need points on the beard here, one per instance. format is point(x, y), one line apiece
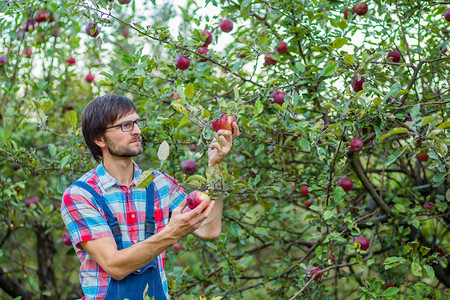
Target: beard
point(122, 150)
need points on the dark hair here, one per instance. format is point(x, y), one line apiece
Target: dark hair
point(100, 113)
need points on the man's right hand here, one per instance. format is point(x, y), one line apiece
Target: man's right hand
point(184, 222)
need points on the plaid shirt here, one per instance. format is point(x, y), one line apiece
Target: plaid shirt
point(85, 220)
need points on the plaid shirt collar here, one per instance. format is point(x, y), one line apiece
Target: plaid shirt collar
point(106, 181)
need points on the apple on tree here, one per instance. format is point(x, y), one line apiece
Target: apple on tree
point(40, 16)
point(360, 8)
point(346, 13)
point(224, 122)
point(422, 156)
point(304, 191)
point(203, 50)
point(447, 15)
point(428, 205)
point(362, 243)
point(89, 78)
point(192, 147)
point(278, 97)
point(269, 60)
point(345, 183)
point(356, 145)
point(282, 48)
point(311, 272)
point(226, 25)
point(92, 29)
point(195, 198)
point(208, 39)
point(124, 1)
point(357, 84)
point(182, 62)
point(29, 25)
point(28, 52)
point(175, 96)
point(2, 60)
point(189, 167)
point(177, 247)
point(15, 167)
point(71, 61)
point(395, 55)
point(65, 238)
point(31, 201)
point(308, 204)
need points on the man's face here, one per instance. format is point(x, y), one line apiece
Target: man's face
point(124, 144)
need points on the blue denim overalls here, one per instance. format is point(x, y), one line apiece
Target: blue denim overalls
point(144, 281)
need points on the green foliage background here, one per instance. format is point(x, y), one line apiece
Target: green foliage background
point(269, 236)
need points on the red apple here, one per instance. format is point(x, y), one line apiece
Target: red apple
point(71, 61)
point(395, 56)
point(308, 203)
point(282, 48)
point(89, 78)
point(226, 25)
point(175, 96)
point(28, 52)
point(422, 156)
point(447, 15)
point(268, 60)
point(345, 183)
point(124, 1)
point(56, 32)
point(360, 8)
point(126, 32)
point(356, 145)
point(224, 122)
point(363, 243)
point(278, 97)
point(29, 25)
point(389, 284)
point(203, 50)
point(92, 29)
point(182, 62)
point(40, 16)
point(176, 247)
point(305, 191)
point(428, 205)
point(311, 272)
point(52, 17)
point(65, 237)
point(189, 167)
point(15, 167)
point(346, 12)
point(192, 147)
point(195, 198)
point(357, 84)
point(2, 60)
point(31, 201)
point(208, 39)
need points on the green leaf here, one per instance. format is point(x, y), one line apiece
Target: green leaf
point(393, 261)
point(339, 42)
point(416, 269)
point(328, 215)
point(52, 150)
point(145, 179)
point(258, 108)
point(180, 108)
point(392, 132)
point(64, 161)
point(444, 125)
point(391, 158)
point(430, 271)
point(338, 195)
point(189, 91)
point(300, 67)
point(427, 119)
point(391, 291)
point(72, 116)
point(237, 65)
point(349, 59)
point(198, 178)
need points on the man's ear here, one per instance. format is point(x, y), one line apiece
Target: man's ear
point(100, 142)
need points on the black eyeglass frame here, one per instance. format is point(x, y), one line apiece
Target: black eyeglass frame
point(121, 125)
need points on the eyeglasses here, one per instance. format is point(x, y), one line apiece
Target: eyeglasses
point(129, 125)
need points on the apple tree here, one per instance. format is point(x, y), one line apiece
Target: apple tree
point(337, 186)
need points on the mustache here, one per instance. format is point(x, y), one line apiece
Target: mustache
point(136, 139)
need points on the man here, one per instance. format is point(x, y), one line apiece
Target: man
point(112, 222)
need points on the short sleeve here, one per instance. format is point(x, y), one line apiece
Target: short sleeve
point(177, 194)
point(82, 217)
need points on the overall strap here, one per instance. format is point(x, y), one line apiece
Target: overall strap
point(110, 219)
point(150, 218)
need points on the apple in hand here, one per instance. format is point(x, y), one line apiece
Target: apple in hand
point(189, 167)
point(226, 25)
point(182, 62)
point(395, 55)
point(345, 183)
point(356, 145)
point(195, 198)
point(65, 237)
point(363, 243)
point(224, 122)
